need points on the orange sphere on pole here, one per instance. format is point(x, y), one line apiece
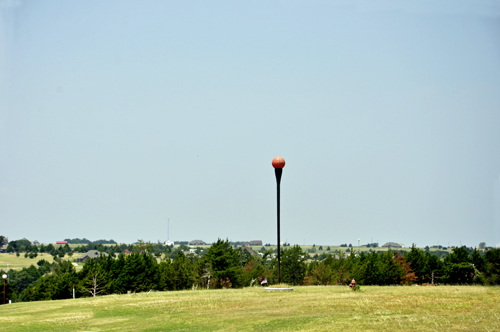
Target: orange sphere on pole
point(278, 162)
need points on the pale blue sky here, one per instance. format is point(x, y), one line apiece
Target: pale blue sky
point(117, 115)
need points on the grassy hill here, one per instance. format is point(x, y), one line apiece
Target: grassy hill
point(14, 262)
point(336, 308)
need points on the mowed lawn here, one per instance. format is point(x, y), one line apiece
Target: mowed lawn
point(441, 308)
point(18, 263)
point(21, 261)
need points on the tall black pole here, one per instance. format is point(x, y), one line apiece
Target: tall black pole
point(278, 172)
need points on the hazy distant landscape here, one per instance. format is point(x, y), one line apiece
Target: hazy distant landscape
point(143, 182)
point(83, 268)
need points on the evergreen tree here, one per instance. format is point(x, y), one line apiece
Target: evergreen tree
point(458, 267)
point(225, 265)
point(478, 260)
point(322, 275)
point(293, 265)
point(492, 273)
point(183, 276)
point(418, 262)
point(166, 272)
point(49, 248)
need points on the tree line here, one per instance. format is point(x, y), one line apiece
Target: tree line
point(222, 266)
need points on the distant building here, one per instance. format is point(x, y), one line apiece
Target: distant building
point(169, 243)
point(253, 243)
point(91, 254)
point(197, 243)
point(393, 245)
point(249, 250)
point(190, 253)
point(61, 242)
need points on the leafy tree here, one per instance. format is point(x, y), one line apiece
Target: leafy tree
point(253, 272)
point(404, 274)
point(143, 247)
point(18, 243)
point(104, 242)
point(322, 275)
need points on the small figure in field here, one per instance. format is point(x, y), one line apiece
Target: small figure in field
point(353, 284)
point(264, 282)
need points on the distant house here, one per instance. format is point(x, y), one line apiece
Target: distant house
point(3, 248)
point(197, 243)
point(169, 243)
point(393, 245)
point(190, 252)
point(128, 251)
point(249, 250)
point(91, 254)
point(61, 242)
point(253, 243)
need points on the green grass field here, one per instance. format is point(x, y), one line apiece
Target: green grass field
point(18, 263)
point(336, 308)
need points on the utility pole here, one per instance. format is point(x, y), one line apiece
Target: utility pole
point(4, 278)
